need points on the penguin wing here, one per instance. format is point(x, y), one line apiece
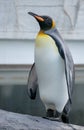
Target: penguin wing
point(66, 55)
point(32, 82)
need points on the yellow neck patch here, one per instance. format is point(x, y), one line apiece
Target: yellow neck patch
point(41, 33)
point(45, 41)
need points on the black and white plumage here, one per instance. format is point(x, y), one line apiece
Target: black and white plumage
point(53, 69)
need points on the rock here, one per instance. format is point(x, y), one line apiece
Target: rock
point(16, 121)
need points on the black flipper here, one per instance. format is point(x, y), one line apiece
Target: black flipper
point(32, 82)
point(69, 65)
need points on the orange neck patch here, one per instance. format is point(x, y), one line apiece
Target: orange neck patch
point(53, 24)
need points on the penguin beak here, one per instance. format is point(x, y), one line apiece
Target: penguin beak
point(38, 18)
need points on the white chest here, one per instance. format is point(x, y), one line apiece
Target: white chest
point(51, 72)
point(47, 59)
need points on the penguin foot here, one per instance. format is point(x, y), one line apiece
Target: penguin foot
point(50, 113)
point(65, 118)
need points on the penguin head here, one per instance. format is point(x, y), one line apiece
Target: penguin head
point(45, 22)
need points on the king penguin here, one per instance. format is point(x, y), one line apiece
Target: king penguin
point(52, 72)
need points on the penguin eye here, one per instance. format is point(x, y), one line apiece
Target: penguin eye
point(47, 19)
